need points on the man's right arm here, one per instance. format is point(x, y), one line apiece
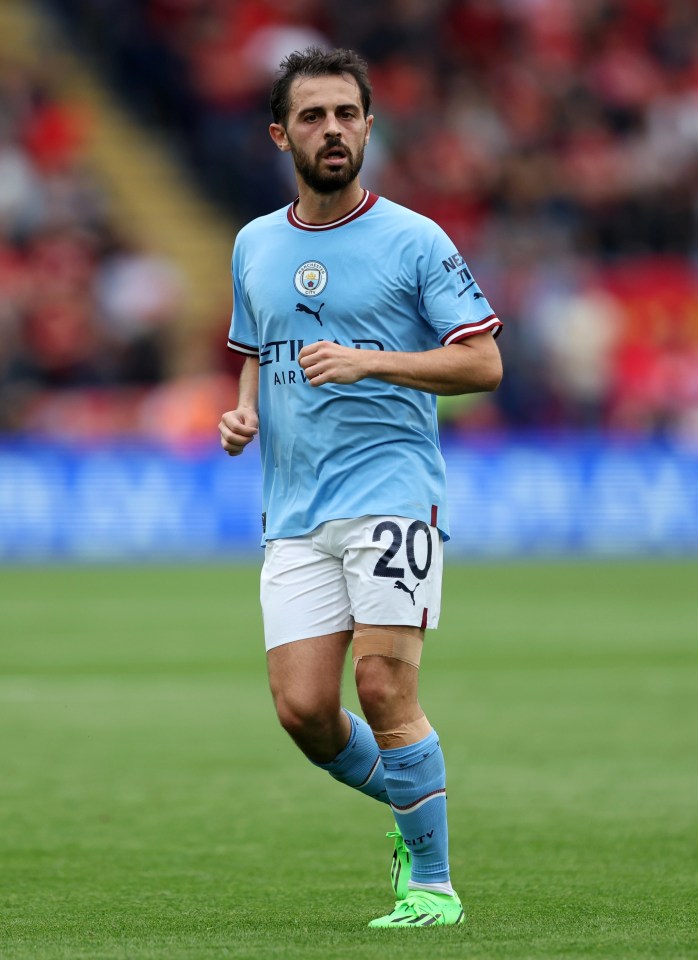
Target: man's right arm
point(239, 427)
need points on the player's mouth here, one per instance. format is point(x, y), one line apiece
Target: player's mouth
point(335, 156)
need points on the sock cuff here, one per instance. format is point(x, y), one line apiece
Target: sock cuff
point(401, 757)
point(353, 733)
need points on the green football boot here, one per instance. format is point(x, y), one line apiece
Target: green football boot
point(423, 909)
point(401, 864)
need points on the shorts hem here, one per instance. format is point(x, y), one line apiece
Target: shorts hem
point(432, 625)
point(270, 644)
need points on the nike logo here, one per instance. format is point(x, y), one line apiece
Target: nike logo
point(301, 308)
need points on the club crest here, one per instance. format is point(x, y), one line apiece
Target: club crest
point(310, 278)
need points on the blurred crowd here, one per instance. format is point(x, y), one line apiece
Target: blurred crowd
point(86, 314)
point(555, 141)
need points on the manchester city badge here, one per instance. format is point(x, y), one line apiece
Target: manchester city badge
point(310, 278)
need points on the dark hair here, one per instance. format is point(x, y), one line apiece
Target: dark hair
point(316, 62)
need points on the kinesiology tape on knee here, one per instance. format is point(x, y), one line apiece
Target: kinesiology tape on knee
point(372, 642)
point(404, 735)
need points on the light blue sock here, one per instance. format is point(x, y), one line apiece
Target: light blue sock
point(359, 764)
point(415, 778)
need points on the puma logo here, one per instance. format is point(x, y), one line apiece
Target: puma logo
point(301, 307)
point(399, 585)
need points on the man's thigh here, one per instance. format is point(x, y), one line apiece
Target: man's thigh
point(309, 672)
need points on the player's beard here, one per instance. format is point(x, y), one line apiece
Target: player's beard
point(327, 180)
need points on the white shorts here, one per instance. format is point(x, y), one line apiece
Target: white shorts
point(373, 570)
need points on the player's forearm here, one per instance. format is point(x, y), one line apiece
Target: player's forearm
point(447, 371)
point(248, 388)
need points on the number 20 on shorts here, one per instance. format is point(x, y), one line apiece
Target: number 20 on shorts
point(383, 567)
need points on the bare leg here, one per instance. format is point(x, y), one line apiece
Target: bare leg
point(387, 687)
point(305, 679)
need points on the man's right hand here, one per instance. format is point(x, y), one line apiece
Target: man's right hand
point(238, 428)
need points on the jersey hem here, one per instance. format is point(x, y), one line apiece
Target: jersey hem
point(299, 532)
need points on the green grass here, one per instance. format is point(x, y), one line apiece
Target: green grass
point(151, 808)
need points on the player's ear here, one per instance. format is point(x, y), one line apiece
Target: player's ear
point(278, 135)
point(369, 124)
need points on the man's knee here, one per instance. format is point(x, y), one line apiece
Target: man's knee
point(378, 684)
point(386, 662)
point(386, 687)
point(301, 715)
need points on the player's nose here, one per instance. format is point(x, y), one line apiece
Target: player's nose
point(332, 130)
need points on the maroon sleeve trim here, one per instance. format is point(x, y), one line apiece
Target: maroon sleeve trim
point(242, 348)
point(465, 330)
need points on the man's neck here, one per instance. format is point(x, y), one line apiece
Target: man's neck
point(325, 207)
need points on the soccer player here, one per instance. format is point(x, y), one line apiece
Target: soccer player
point(353, 313)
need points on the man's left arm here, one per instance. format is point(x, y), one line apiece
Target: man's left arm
point(472, 365)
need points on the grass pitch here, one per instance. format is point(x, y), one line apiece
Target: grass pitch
point(150, 807)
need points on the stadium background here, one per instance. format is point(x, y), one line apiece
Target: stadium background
point(556, 142)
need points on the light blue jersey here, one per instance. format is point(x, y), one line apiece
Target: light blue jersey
point(380, 278)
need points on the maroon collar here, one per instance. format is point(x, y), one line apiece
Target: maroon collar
point(366, 202)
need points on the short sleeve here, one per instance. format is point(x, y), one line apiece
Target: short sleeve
point(451, 300)
point(243, 337)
